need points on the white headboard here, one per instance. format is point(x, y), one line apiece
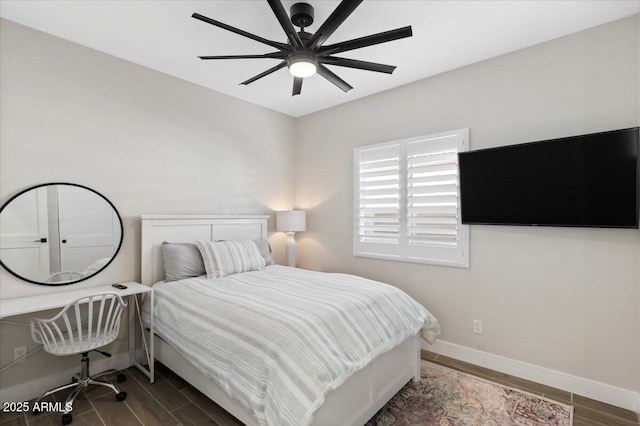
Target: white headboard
point(188, 229)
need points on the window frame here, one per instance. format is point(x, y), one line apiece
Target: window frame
point(403, 245)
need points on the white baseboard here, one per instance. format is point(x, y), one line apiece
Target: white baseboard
point(603, 392)
point(34, 388)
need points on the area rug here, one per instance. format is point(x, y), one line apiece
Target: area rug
point(446, 397)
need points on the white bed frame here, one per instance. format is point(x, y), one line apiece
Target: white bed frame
point(351, 404)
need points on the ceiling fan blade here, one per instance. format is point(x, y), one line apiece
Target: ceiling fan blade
point(361, 65)
point(274, 55)
point(323, 71)
point(297, 85)
point(342, 12)
point(285, 22)
point(369, 40)
point(277, 45)
point(267, 72)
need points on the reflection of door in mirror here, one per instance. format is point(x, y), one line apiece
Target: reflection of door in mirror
point(58, 233)
point(89, 229)
point(24, 235)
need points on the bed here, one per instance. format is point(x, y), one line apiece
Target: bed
point(351, 398)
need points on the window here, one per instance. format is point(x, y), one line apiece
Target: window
point(407, 200)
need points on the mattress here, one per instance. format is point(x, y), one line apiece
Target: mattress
point(277, 340)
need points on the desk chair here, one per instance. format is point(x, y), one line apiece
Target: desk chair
point(57, 277)
point(68, 334)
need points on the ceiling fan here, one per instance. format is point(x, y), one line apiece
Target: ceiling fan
point(305, 53)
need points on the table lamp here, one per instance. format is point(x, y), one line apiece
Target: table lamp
point(291, 221)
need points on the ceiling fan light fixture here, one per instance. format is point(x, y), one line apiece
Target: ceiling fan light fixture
point(302, 65)
point(306, 54)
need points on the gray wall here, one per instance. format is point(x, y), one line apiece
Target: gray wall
point(150, 143)
point(561, 298)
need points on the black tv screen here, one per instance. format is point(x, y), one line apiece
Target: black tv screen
point(589, 180)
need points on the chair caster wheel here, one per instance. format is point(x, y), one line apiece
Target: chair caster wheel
point(121, 396)
point(66, 419)
point(74, 379)
point(122, 378)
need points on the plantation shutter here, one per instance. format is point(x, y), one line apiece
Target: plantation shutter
point(433, 227)
point(407, 200)
point(378, 204)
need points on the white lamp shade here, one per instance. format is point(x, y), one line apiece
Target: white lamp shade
point(291, 221)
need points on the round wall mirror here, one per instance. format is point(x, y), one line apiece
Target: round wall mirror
point(58, 233)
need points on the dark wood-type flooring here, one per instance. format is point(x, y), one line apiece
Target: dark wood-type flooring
point(172, 401)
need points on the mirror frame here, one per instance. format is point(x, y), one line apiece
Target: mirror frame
point(4, 205)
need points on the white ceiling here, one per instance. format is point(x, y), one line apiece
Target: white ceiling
point(446, 35)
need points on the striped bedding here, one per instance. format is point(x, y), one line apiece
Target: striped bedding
point(278, 339)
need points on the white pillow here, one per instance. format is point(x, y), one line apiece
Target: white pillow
point(229, 257)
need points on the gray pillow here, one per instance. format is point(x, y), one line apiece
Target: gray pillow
point(181, 261)
point(265, 250)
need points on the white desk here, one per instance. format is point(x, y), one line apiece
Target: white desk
point(59, 299)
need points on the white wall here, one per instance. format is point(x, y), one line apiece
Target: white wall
point(561, 298)
point(150, 143)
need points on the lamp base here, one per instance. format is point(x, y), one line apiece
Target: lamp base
point(290, 250)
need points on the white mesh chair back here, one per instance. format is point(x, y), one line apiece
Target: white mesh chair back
point(83, 325)
point(65, 276)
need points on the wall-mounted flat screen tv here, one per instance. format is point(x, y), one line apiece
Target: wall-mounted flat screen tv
point(588, 181)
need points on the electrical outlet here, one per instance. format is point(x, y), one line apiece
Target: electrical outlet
point(20, 354)
point(477, 326)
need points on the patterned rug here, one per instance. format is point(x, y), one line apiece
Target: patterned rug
point(445, 397)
